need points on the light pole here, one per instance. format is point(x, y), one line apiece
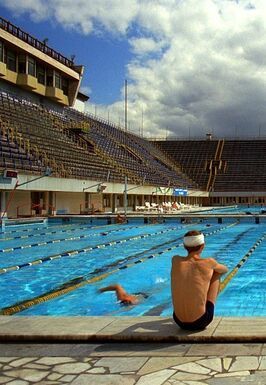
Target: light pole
point(142, 122)
point(125, 105)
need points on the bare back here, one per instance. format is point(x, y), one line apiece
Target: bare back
point(190, 281)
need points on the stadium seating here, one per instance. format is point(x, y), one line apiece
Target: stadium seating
point(49, 143)
point(193, 155)
point(136, 156)
point(245, 166)
point(75, 145)
point(14, 152)
point(225, 165)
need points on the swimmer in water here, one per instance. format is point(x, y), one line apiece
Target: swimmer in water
point(120, 219)
point(122, 295)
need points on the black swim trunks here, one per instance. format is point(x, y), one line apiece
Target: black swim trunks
point(200, 323)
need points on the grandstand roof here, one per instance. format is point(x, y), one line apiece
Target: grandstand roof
point(82, 97)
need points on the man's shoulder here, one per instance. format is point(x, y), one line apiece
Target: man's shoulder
point(177, 257)
point(210, 261)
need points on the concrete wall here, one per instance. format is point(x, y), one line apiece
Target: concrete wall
point(68, 203)
point(97, 201)
point(31, 96)
point(21, 201)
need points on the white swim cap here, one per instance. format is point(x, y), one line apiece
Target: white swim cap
point(194, 240)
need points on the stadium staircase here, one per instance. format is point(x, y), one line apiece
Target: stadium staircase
point(216, 165)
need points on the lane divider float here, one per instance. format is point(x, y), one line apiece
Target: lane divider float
point(33, 229)
point(64, 228)
point(70, 231)
point(243, 260)
point(45, 233)
point(79, 251)
point(84, 236)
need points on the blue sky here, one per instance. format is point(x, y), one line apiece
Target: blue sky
point(192, 67)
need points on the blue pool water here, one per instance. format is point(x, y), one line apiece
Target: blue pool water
point(237, 209)
point(57, 269)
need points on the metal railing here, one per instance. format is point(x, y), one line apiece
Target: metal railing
point(202, 138)
point(41, 46)
point(36, 207)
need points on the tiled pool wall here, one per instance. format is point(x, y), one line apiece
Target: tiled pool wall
point(147, 219)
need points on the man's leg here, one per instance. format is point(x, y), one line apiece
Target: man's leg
point(214, 287)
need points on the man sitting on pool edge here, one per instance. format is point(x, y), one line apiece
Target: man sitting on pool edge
point(195, 284)
point(123, 296)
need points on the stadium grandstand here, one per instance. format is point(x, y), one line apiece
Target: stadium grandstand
point(57, 159)
point(232, 171)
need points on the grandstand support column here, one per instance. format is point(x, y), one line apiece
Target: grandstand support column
point(3, 203)
point(52, 203)
point(87, 203)
point(114, 203)
point(125, 197)
point(135, 202)
point(45, 202)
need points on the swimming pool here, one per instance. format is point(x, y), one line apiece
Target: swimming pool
point(57, 269)
point(237, 209)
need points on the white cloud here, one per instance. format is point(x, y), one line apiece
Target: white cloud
point(198, 66)
point(84, 15)
point(38, 9)
point(143, 45)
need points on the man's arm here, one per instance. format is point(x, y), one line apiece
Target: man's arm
point(120, 292)
point(218, 267)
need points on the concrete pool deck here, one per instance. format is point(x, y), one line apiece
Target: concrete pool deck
point(128, 329)
point(130, 351)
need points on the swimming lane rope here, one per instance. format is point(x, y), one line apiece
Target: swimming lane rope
point(65, 228)
point(62, 239)
point(80, 251)
point(68, 230)
point(70, 286)
point(243, 260)
point(33, 228)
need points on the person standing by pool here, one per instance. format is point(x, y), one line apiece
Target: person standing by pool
point(195, 284)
